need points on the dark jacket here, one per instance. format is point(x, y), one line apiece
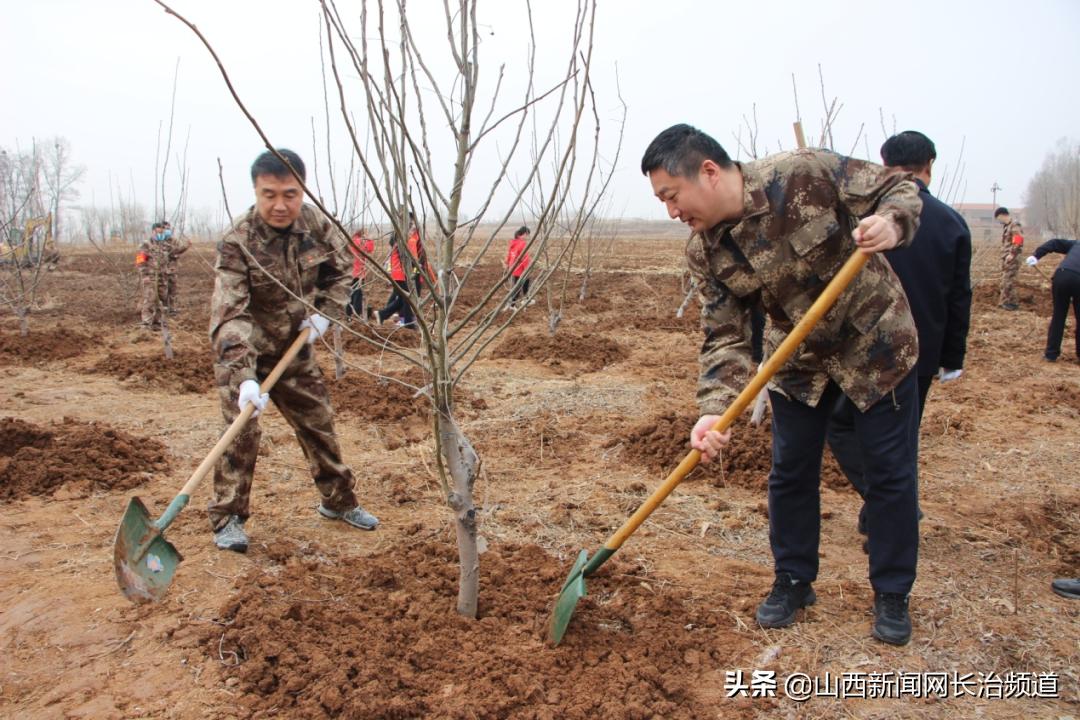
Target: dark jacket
point(935, 271)
point(1070, 248)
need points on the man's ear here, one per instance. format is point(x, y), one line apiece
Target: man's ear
point(709, 172)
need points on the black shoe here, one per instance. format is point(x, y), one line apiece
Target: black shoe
point(788, 595)
point(1047, 358)
point(892, 623)
point(861, 527)
point(1067, 588)
point(1009, 306)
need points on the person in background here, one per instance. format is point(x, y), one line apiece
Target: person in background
point(935, 271)
point(1065, 288)
point(176, 248)
point(1012, 245)
point(518, 262)
point(151, 261)
point(281, 267)
point(359, 243)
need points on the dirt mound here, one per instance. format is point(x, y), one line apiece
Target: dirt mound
point(666, 321)
point(383, 640)
point(1053, 528)
point(662, 442)
point(80, 457)
point(378, 399)
point(42, 345)
point(986, 295)
point(186, 372)
point(589, 352)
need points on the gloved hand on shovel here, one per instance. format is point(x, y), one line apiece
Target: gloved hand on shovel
point(249, 393)
point(318, 325)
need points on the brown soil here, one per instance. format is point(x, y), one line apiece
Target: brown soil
point(383, 641)
point(378, 399)
point(187, 372)
point(662, 442)
point(41, 345)
point(80, 457)
point(588, 353)
point(1030, 296)
point(320, 620)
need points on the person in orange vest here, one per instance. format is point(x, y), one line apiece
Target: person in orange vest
point(398, 290)
point(396, 302)
point(360, 243)
point(518, 262)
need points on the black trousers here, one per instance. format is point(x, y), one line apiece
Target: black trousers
point(521, 288)
point(355, 307)
point(886, 438)
point(1065, 287)
point(396, 303)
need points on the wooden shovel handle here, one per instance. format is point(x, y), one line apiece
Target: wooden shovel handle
point(787, 348)
point(245, 414)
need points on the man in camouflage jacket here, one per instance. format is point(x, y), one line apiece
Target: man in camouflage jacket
point(177, 247)
point(282, 266)
point(151, 260)
point(1012, 246)
point(772, 233)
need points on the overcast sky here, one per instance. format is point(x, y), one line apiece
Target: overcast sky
point(997, 75)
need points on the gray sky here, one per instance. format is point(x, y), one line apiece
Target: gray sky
point(997, 73)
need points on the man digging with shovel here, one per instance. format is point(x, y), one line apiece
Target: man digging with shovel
point(771, 233)
point(278, 251)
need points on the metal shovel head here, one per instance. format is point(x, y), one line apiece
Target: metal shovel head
point(144, 560)
point(572, 591)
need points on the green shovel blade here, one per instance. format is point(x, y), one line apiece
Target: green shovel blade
point(572, 591)
point(144, 560)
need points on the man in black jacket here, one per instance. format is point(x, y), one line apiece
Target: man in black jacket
point(1065, 286)
point(935, 271)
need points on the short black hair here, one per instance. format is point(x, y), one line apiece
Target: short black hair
point(523, 230)
point(680, 150)
point(268, 164)
point(910, 150)
point(1001, 211)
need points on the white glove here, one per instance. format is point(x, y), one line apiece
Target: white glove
point(947, 375)
point(249, 393)
point(1032, 261)
point(318, 325)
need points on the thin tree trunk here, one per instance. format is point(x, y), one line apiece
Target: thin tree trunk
point(24, 323)
point(463, 464)
point(339, 361)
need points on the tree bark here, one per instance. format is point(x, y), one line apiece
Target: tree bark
point(463, 464)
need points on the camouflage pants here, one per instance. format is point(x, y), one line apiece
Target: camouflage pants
point(170, 292)
point(301, 397)
point(1010, 265)
point(152, 298)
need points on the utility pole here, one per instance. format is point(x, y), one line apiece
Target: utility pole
point(994, 189)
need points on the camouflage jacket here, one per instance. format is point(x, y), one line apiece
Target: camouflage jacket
point(260, 275)
point(161, 255)
point(177, 247)
point(799, 210)
point(1009, 247)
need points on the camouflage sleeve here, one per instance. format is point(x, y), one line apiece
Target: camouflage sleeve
point(334, 283)
point(725, 358)
point(230, 319)
point(179, 247)
point(866, 188)
point(1017, 238)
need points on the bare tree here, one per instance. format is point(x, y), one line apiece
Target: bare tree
point(1053, 195)
point(430, 119)
point(27, 225)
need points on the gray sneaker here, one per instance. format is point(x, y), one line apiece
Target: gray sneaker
point(357, 517)
point(232, 536)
